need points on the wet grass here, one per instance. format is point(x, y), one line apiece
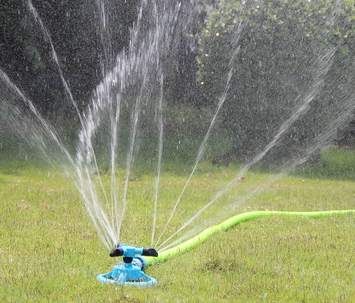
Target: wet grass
point(49, 251)
point(335, 164)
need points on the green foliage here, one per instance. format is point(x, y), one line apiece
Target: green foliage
point(279, 44)
point(74, 29)
point(334, 163)
point(185, 128)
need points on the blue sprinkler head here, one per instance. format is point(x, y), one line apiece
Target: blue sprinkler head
point(131, 271)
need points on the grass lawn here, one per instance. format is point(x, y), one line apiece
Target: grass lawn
point(49, 251)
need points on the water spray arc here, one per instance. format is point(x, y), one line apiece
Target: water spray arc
point(135, 80)
point(322, 66)
point(203, 144)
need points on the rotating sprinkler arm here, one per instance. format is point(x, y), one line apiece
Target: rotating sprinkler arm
point(132, 252)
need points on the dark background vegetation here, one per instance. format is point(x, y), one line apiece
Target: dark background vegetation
point(271, 67)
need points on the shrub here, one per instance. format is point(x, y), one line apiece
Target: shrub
point(276, 67)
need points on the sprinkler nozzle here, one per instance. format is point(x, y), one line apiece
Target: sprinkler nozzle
point(128, 251)
point(149, 252)
point(116, 252)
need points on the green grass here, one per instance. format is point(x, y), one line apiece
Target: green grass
point(335, 164)
point(49, 252)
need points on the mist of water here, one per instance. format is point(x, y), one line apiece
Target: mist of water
point(323, 140)
point(323, 64)
point(203, 145)
point(132, 86)
point(160, 154)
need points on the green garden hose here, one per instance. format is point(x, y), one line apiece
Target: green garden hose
point(231, 222)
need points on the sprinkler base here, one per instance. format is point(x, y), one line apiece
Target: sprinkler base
point(131, 272)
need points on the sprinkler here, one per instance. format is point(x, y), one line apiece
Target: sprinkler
point(135, 260)
point(131, 271)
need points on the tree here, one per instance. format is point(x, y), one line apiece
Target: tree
point(280, 45)
point(73, 25)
